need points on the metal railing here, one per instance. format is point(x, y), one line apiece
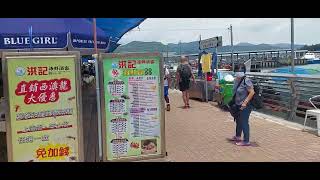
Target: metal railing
point(287, 95)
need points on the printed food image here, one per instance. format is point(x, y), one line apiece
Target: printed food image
point(153, 87)
point(149, 146)
point(134, 145)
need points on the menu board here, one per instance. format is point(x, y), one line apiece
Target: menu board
point(43, 100)
point(132, 105)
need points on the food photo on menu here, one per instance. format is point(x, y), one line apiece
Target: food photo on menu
point(149, 146)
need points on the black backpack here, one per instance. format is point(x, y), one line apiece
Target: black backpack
point(257, 101)
point(185, 72)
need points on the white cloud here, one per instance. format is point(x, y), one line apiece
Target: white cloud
point(253, 30)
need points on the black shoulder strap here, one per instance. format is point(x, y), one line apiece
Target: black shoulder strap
point(242, 79)
point(234, 93)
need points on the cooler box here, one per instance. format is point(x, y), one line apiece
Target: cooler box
point(227, 93)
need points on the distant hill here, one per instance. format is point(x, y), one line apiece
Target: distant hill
point(138, 46)
point(245, 44)
point(193, 47)
point(315, 47)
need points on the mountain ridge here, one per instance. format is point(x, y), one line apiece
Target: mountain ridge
point(193, 47)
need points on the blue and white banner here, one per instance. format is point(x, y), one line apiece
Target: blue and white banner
point(82, 41)
point(37, 41)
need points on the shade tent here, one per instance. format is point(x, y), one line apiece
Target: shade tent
point(62, 33)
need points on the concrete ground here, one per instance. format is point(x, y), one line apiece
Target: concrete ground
point(200, 134)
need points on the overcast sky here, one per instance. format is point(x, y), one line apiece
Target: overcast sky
point(252, 30)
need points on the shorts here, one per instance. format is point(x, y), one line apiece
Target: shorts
point(184, 85)
point(166, 91)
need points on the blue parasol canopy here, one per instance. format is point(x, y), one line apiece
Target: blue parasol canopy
point(58, 33)
point(115, 28)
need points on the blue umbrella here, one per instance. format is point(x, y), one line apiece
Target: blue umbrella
point(49, 33)
point(115, 28)
point(112, 46)
point(60, 33)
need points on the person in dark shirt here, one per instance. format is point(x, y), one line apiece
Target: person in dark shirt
point(184, 73)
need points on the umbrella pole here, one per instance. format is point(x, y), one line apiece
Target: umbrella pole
point(30, 36)
point(97, 90)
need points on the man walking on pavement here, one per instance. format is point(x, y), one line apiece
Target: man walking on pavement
point(184, 73)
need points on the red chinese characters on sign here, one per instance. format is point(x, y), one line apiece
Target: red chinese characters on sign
point(131, 64)
point(122, 64)
point(43, 153)
point(37, 71)
point(42, 91)
point(42, 71)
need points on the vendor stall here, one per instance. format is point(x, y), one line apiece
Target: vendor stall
point(197, 90)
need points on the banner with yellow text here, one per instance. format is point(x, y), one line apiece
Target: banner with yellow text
point(43, 109)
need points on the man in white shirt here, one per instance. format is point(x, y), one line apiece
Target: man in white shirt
point(166, 85)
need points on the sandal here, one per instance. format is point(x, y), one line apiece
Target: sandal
point(235, 138)
point(242, 143)
point(168, 107)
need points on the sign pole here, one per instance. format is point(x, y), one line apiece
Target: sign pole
point(231, 35)
point(292, 46)
point(206, 84)
point(97, 89)
point(217, 63)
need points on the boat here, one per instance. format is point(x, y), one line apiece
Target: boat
point(312, 58)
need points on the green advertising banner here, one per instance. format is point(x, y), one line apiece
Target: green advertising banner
point(132, 95)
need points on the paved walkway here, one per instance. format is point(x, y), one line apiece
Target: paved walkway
point(199, 134)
